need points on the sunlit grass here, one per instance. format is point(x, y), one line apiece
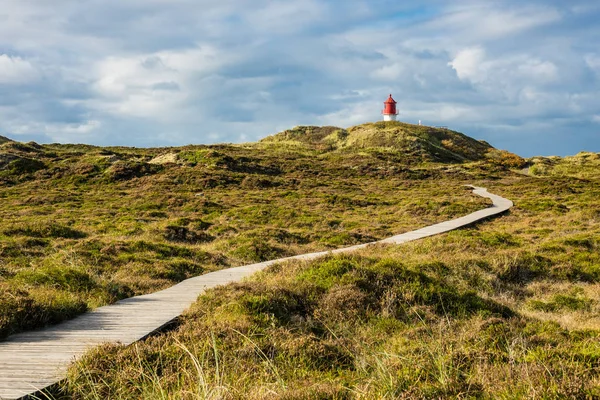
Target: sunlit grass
point(507, 308)
point(102, 224)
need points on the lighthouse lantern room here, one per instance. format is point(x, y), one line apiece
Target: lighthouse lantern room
point(389, 109)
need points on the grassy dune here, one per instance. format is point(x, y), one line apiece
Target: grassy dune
point(83, 226)
point(508, 308)
point(505, 309)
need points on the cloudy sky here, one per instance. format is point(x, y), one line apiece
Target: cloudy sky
point(523, 75)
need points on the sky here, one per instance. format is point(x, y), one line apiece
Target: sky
point(523, 75)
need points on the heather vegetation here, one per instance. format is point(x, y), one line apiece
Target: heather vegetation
point(409, 143)
point(507, 308)
point(84, 226)
point(584, 165)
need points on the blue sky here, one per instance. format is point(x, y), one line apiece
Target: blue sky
point(522, 75)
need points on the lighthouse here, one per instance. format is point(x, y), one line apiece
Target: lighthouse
point(389, 109)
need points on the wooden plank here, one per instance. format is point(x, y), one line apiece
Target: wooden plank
point(31, 361)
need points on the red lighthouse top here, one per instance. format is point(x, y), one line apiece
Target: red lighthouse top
point(389, 106)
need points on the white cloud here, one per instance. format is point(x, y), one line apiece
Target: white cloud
point(352, 114)
point(58, 132)
point(388, 72)
point(469, 64)
point(531, 95)
point(507, 74)
point(153, 85)
point(450, 112)
point(534, 69)
point(483, 22)
point(285, 16)
point(593, 61)
point(15, 70)
point(59, 128)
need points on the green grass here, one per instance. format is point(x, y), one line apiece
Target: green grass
point(360, 326)
point(584, 165)
point(405, 142)
point(125, 226)
point(507, 308)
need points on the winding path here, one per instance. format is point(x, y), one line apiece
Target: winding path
point(31, 361)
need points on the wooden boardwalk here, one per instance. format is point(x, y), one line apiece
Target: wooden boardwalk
point(31, 361)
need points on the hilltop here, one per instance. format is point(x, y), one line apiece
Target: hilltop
point(4, 139)
point(415, 142)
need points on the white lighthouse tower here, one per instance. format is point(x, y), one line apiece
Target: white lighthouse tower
point(389, 109)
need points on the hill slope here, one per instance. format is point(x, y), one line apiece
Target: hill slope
point(507, 308)
point(84, 226)
point(421, 143)
point(582, 165)
point(4, 139)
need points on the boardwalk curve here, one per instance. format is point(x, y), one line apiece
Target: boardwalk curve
point(31, 361)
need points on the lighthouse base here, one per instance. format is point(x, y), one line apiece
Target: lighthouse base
point(389, 117)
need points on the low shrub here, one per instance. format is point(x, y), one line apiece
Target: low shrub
point(59, 277)
point(521, 267)
point(126, 170)
point(44, 230)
